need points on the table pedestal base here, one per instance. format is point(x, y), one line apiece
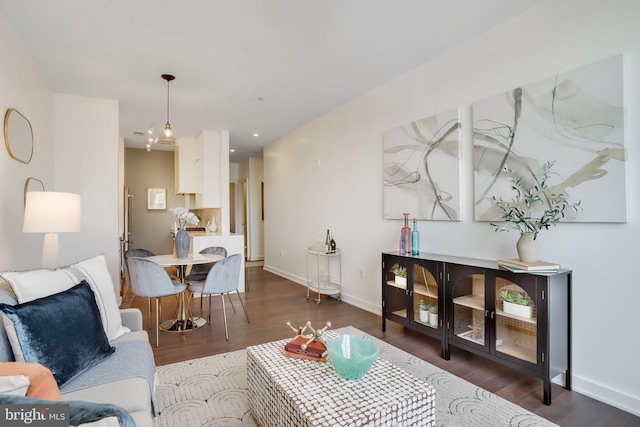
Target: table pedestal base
point(174, 325)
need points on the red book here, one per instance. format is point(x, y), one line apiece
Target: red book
point(313, 349)
point(303, 356)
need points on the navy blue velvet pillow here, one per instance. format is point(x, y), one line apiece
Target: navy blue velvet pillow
point(62, 332)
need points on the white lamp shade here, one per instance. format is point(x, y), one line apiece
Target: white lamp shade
point(52, 212)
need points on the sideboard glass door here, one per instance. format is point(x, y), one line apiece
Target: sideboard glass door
point(468, 310)
point(395, 288)
point(516, 317)
point(425, 302)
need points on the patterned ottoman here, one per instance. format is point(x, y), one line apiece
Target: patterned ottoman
point(284, 391)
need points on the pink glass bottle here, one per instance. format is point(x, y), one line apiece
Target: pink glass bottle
point(406, 236)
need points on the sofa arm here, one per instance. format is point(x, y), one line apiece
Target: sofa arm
point(131, 318)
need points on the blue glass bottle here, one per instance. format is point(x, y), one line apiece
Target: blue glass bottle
point(415, 239)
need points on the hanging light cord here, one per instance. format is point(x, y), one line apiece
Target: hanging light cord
point(168, 81)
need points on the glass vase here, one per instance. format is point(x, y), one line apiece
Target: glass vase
point(182, 243)
point(415, 239)
point(406, 235)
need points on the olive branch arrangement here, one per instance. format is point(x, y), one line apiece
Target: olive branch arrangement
point(518, 213)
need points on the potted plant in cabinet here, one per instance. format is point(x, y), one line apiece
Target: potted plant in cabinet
point(517, 303)
point(433, 316)
point(401, 276)
point(424, 308)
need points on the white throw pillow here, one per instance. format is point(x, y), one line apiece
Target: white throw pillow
point(96, 272)
point(33, 284)
point(16, 385)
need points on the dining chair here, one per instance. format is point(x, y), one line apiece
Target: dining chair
point(199, 272)
point(223, 278)
point(140, 253)
point(151, 280)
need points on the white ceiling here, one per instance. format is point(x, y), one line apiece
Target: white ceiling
point(303, 57)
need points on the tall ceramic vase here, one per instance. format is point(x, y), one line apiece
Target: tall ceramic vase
point(528, 248)
point(182, 243)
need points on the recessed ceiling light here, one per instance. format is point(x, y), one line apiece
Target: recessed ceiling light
point(256, 134)
point(232, 150)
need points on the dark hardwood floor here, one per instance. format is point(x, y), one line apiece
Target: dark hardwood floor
point(272, 301)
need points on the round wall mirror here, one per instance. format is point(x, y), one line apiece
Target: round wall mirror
point(18, 136)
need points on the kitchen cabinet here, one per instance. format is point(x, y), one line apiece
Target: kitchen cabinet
point(202, 168)
point(187, 166)
point(535, 339)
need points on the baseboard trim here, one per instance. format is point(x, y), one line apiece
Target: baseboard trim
point(345, 298)
point(607, 395)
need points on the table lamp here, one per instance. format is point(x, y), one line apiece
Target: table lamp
point(51, 213)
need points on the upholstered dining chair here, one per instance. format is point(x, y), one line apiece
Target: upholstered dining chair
point(151, 280)
point(223, 278)
point(199, 272)
point(140, 253)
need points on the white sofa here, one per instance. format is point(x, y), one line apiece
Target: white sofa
point(126, 377)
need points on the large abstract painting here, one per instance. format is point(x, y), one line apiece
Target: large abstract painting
point(422, 169)
point(574, 119)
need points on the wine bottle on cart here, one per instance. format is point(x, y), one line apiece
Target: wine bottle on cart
point(327, 242)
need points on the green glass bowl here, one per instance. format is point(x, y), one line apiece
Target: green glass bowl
point(352, 356)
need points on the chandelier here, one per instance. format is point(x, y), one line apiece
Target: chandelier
point(166, 137)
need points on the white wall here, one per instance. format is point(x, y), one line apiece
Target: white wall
point(256, 222)
point(24, 87)
point(251, 172)
point(151, 229)
point(76, 150)
point(86, 162)
point(328, 174)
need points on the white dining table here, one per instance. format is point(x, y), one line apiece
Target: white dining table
point(181, 321)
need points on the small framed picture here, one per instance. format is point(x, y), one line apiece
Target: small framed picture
point(156, 199)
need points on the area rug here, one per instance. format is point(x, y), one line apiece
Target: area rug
point(211, 391)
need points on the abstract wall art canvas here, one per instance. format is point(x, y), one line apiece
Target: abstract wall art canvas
point(575, 119)
point(422, 169)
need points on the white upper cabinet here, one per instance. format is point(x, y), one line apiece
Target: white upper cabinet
point(215, 169)
point(188, 166)
point(202, 168)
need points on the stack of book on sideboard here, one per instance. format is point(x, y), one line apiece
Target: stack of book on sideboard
point(517, 266)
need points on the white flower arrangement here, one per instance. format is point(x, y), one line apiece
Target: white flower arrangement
point(184, 217)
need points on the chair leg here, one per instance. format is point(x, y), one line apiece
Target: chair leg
point(124, 295)
point(224, 315)
point(149, 311)
point(157, 322)
point(243, 307)
point(132, 298)
point(189, 310)
point(232, 306)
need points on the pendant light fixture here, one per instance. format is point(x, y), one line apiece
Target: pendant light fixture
point(167, 137)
